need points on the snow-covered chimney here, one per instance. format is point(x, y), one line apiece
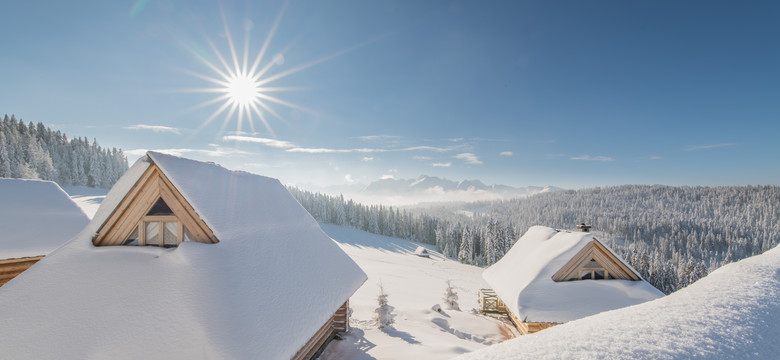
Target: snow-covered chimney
point(583, 228)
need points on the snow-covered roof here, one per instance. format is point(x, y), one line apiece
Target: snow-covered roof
point(263, 291)
point(732, 313)
point(36, 217)
point(421, 251)
point(523, 279)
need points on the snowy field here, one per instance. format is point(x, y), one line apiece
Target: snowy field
point(414, 285)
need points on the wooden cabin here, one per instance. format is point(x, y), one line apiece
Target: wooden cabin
point(422, 252)
point(36, 217)
point(216, 263)
point(553, 276)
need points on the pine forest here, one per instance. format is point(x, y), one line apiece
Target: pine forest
point(29, 151)
point(671, 235)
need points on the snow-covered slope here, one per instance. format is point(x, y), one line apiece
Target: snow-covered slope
point(414, 285)
point(733, 313)
point(36, 217)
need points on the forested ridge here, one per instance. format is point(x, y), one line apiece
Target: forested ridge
point(30, 151)
point(671, 235)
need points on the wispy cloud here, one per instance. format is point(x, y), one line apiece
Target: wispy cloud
point(387, 176)
point(447, 164)
point(378, 137)
point(216, 152)
point(708, 147)
point(279, 144)
point(349, 178)
point(331, 151)
point(155, 128)
point(370, 150)
point(368, 158)
point(291, 147)
point(420, 157)
point(506, 153)
point(476, 139)
point(469, 158)
point(433, 148)
point(593, 158)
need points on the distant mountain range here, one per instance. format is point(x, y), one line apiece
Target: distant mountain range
point(433, 184)
point(426, 189)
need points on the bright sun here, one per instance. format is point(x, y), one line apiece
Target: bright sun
point(241, 85)
point(243, 90)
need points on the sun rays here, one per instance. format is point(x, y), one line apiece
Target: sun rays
point(242, 87)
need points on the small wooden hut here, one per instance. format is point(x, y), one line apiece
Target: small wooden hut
point(422, 252)
point(553, 276)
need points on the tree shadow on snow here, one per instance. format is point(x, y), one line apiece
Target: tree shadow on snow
point(355, 339)
point(403, 335)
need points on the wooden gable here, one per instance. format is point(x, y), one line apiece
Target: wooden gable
point(129, 215)
point(594, 257)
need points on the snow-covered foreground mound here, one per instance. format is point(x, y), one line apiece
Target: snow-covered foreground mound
point(733, 313)
point(414, 285)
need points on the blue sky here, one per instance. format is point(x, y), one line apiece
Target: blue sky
point(572, 94)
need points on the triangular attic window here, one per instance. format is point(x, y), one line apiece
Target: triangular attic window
point(160, 208)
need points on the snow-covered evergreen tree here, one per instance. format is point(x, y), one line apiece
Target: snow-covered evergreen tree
point(451, 297)
point(466, 253)
point(385, 315)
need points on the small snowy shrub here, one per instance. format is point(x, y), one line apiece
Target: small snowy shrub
point(384, 313)
point(451, 297)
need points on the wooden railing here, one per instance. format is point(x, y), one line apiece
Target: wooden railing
point(489, 302)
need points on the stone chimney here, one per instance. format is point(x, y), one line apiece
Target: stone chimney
point(583, 228)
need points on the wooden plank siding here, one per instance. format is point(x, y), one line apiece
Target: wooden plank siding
point(11, 268)
point(490, 302)
point(595, 250)
point(325, 334)
point(341, 318)
point(529, 327)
